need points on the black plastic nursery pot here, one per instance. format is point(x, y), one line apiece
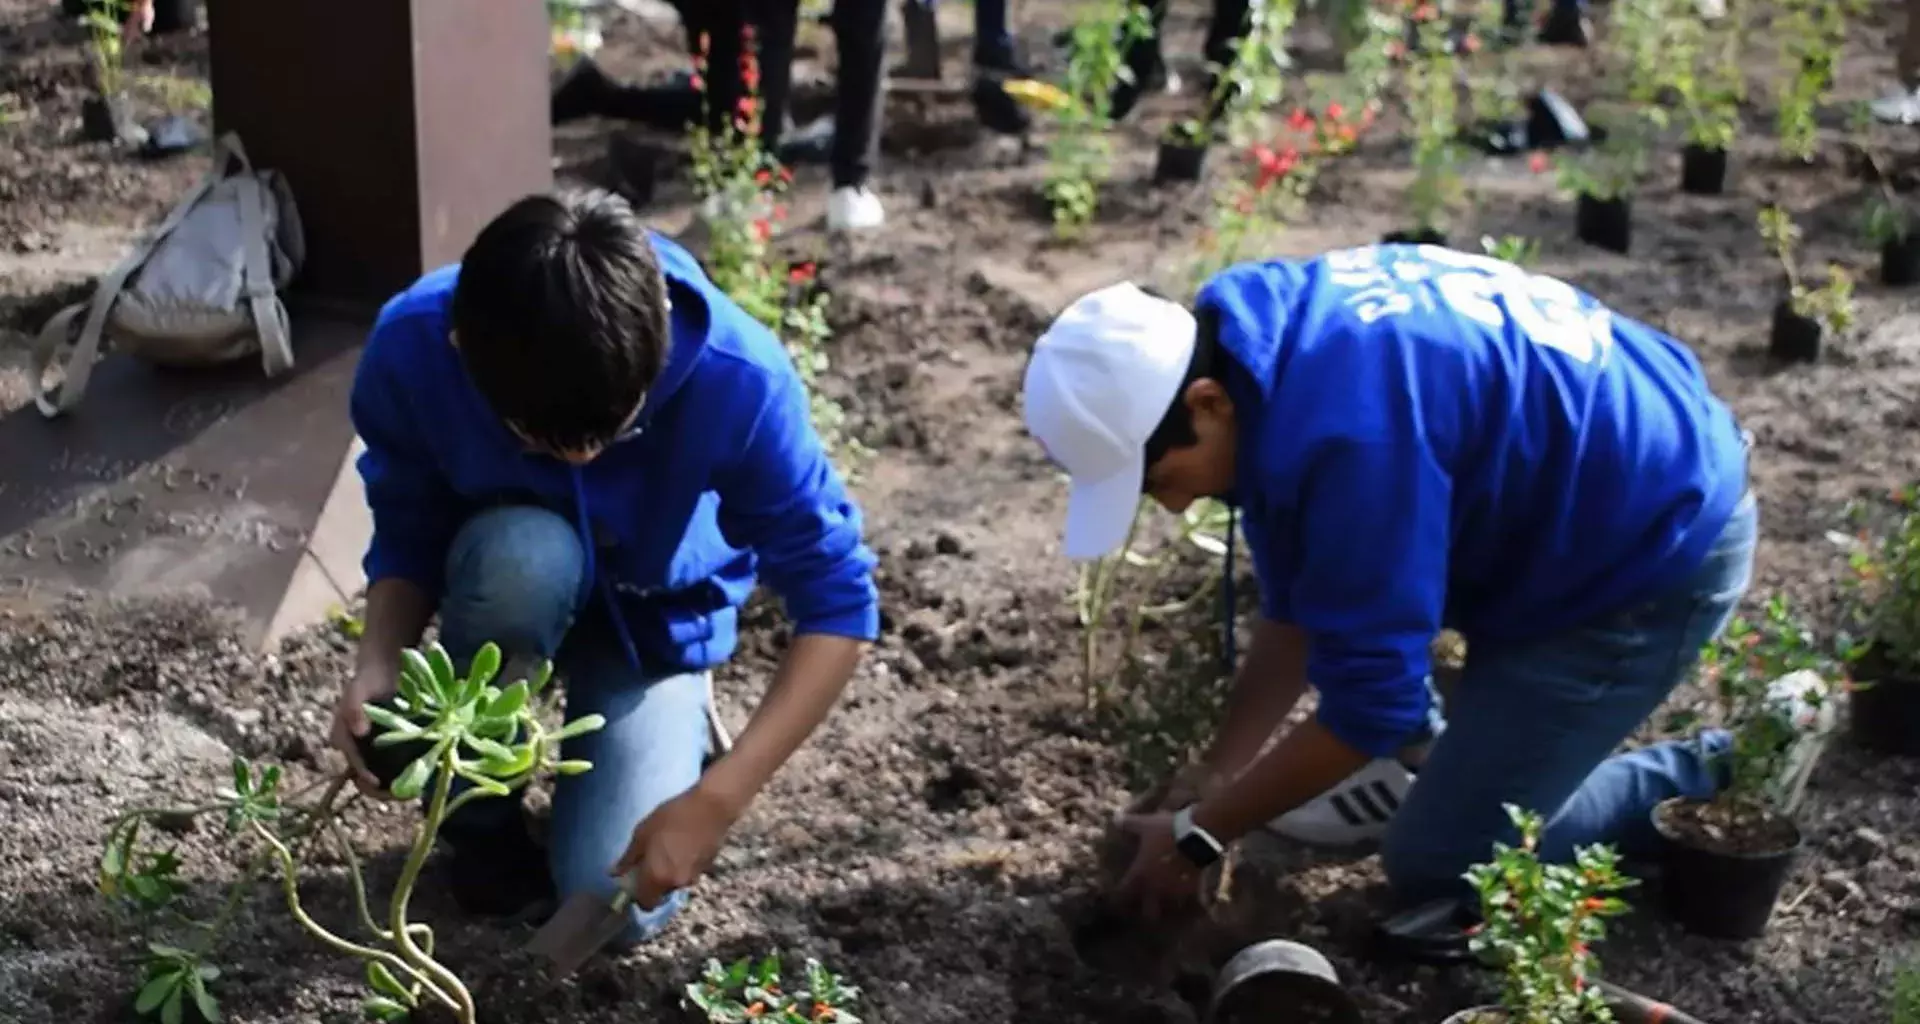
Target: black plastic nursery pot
point(1179, 161)
point(1720, 894)
point(1794, 338)
point(1900, 261)
point(1703, 171)
point(1279, 980)
point(1607, 223)
point(1417, 236)
point(103, 119)
point(1884, 711)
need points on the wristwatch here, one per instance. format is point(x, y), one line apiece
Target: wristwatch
point(1196, 844)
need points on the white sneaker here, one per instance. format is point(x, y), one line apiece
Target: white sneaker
point(1354, 811)
point(1901, 106)
point(854, 208)
point(1807, 702)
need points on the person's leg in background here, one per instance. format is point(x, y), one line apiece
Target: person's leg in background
point(993, 47)
point(649, 752)
point(515, 576)
point(1534, 725)
point(1146, 59)
point(859, 31)
point(1901, 105)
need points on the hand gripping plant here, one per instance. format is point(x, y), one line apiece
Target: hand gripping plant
point(1539, 924)
point(452, 727)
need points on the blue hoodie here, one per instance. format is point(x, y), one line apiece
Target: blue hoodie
point(722, 477)
point(1429, 438)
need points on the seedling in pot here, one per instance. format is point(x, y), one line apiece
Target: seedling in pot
point(1728, 856)
point(1811, 33)
point(1709, 84)
point(1183, 151)
point(749, 990)
point(1807, 314)
point(1888, 221)
point(1884, 605)
point(1080, 159)
point(490, 736)
point(1539, 922)
point(104, 116)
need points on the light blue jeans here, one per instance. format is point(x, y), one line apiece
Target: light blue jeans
point(515, 576)
point(1534, 724)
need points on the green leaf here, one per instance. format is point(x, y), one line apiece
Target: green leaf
point(203, 1000)
point(516, 763)
point(485, 665)
point(487, 748)
point(442, 665)
point(166, 952)
point(270, 778)
point(388, 720)
point(154, 992)
point(414, 779)
point(541, 677)
point(394, 739)
point(381, 1008)
point(113, 857)
point(491, 787)
point(414, 664)
point(573, 767)
point(174, 1008)
point(242, 778)
point(383, 982)
point(580, 727)
point(512, 699)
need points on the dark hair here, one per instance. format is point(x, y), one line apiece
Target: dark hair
point(560, 315)
point(1176, 427)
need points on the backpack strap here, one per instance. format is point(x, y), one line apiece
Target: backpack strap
point(269, 313)
point(85, 350)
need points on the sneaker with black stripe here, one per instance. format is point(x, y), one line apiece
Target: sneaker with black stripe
point(1355, 811)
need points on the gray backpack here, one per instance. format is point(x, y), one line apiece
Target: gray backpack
point(202, 289)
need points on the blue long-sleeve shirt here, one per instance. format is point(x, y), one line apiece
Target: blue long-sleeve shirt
point(722, 481)
point(1429, 438)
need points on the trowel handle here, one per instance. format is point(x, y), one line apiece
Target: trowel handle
point(1634, 1008)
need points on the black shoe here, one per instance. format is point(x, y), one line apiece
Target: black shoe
point(996, 110)
point(1149, 75)
point(506, 875)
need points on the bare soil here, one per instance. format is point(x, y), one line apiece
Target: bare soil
point(936, 840)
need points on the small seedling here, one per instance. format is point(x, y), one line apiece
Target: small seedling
point(1832, 303)
point(1884, 590)
point(104, 22)
point(1518, 250)
point(742, 190)
point(1540, 922)
point(755, 991)
point(1079, 161)
point(489, 736)
point(1708, 81)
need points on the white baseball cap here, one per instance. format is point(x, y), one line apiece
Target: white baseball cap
point(1101, 379)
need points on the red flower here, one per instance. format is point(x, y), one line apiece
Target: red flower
point(1335, 111)
point(762, 230)
point(1425, 12)
point(1348, 134)
point(1273, 166)
point(1299, 120)
point(1470, 43)
point(699, 84)
point(762, 176)
point(750, 73)
point(801, 273)
point(746, 34)
point(786, 175)
point(1537, 163)
point(745, 106)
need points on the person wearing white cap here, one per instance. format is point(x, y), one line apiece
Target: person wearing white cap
point(1414, 437)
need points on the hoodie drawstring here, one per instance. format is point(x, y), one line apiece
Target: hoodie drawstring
point(1230, 656)
point(593, 580)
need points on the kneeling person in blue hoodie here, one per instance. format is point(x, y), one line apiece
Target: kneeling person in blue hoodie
point(1416, 438)
point(578, 448)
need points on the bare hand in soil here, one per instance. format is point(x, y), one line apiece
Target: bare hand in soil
point(1161, 883)
point(350, 722)
point(674, 846)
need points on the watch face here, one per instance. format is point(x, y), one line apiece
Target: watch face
point(1196, 849)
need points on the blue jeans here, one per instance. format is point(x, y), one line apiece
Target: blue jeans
point(1533, 724)
point(515, 576)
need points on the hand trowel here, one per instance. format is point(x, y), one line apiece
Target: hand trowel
point(588, 921)
point(583, 924)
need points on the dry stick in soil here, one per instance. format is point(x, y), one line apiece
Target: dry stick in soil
point(489, 736)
